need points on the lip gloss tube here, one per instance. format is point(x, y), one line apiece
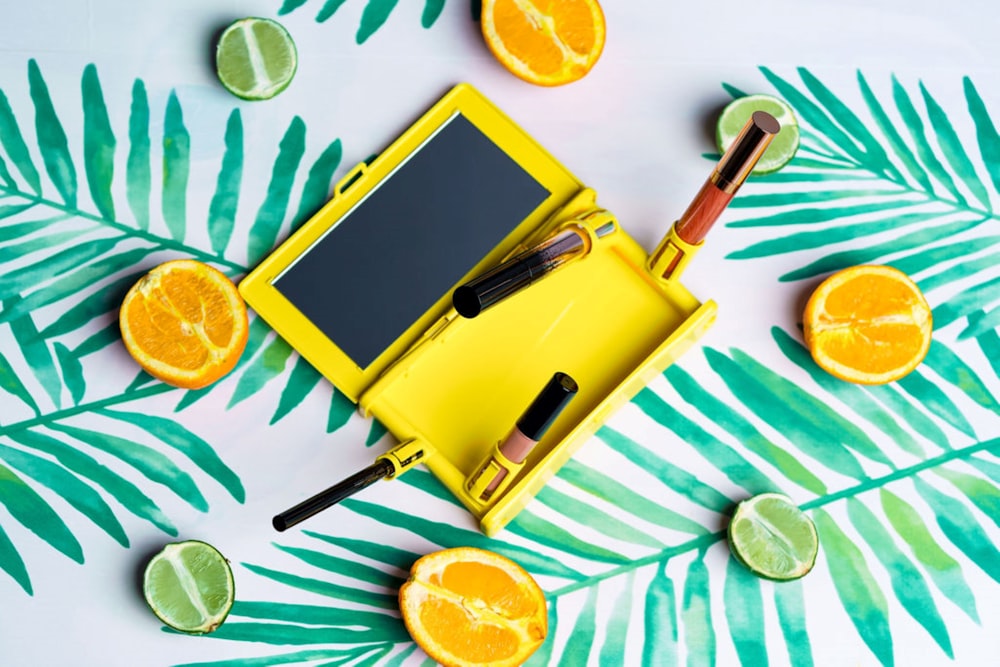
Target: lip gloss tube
point(523, 269)
point(508, 456)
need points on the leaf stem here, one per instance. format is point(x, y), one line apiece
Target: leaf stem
point(167, 244)
point(702, 542)
point(60, 415)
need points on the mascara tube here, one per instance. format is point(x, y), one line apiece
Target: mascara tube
point(494, 474)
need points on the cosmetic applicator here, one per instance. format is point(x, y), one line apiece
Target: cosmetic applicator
point(686, 235)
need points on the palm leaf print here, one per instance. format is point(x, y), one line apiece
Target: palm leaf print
point(73, 248)
point(900, 480)
point(892, 182)
point(593, 543)
point(374, 16)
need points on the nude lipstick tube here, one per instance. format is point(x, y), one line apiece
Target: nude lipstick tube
point(508, 456)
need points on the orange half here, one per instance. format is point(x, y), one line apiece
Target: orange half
point(185, 323)
point(868, 324)
point(468, 606)
point(545, 42)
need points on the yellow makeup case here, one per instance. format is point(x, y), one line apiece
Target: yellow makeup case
point(363, 291)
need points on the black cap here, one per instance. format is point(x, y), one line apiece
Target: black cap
point(547, 405)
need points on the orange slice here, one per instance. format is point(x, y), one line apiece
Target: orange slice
point(546, 42)
point(468, 606)
point(185, 323)
point(868, 324)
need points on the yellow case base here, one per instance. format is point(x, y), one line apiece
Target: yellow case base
point(601, 318)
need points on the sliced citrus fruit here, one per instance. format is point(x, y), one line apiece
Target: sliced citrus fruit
point(468, 606)
point(784, 145)
point(255, 58)
point(868, 324)
point(772, 537)
point(185, 323)
point(546, 42)
point(189, 586)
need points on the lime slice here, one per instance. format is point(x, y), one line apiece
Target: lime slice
point(255, 58)
point(738, 112)
point(189, 586)
point(773, 537)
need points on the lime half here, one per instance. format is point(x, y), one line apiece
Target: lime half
point(773, 537)
point(189, 586)
point(255, 58)
point(738, 112)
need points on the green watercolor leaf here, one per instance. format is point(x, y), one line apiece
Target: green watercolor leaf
point(578, 644)
point(178, 437)
point(887, 127)
point(794, 412)
point(617, 625)
point(726, 417)
point(319, 183)
point(595, 518)
point(52, 142)
point(983, 495)
point(138, 173)
point(329, 8)
point(930, 396)
point(345, 567)
point(327, 588)
point(696, 615)
point(13, 142)
point(790, 604)
point(36, 353)
point(432, 10)
point(374, 17)
point(913, 122)
point(660, 641)
point(388, 554)
point(98, 144)
point(671, 475)
point(152, 464)
point(72, 372)
point(446, 536)
point(265, 367)
point(736, 468)
point(124, 492)
point(12, 384)
point(857, 589)
point(951, 148)
point(12, 563)
point(623, 497)
point(875, 253)
point(850, 394)
point(105, 300)
point(744, 607)
point(222, 209)
point(267, 225)
point(986, 132)
point(546, 533)
point(944, 570)
point(302, 380)
point(176, 168)
point(74, 491)
point(906, 580)
point(960, 526)
point(32, 512)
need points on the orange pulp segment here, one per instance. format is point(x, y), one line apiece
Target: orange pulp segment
point(545, 42)
point(868, 324)
point(468, 606)
point(185, 323)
